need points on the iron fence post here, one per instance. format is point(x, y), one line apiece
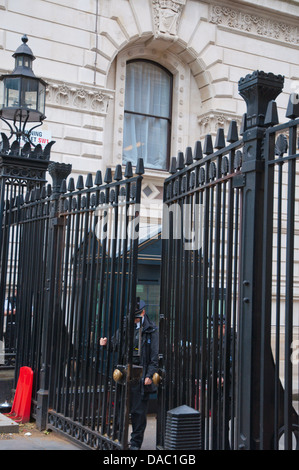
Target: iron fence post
point(258, 90)
point(21, 170)
point(58, 172)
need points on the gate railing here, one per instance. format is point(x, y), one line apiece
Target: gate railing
point(70, 255)
point(20, 172)
point(225, 254)
point(229, 265)
point(96, 276)
point(200, 285)
point(280, 320)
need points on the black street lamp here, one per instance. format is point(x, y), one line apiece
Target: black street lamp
point(22, 94)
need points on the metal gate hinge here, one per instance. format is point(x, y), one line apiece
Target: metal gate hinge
point(239, 181)
point(56, 221)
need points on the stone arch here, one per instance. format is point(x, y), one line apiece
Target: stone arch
point(130, 24)
point(193, 55)
point(166, 56)
point(181, 93)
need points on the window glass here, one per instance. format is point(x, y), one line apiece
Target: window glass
point(146, 138)
point(147, 114)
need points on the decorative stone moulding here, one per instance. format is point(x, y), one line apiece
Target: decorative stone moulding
point(210, 122)
point(167, 14)
point(259, 25)
point(85, 99)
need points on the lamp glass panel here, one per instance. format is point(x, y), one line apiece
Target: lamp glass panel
point(12, 92)
point(1, 94)
point(29, 93)
point(41, 98)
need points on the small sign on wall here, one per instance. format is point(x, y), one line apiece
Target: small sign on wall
point(37, 137)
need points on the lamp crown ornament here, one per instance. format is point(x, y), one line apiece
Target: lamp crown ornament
point(24, 58)
point(22, 95)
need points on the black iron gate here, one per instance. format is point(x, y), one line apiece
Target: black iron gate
point(97, 252)
point(227, 287)
point(200, 286)
point(69, 256)
point(23, 178)
point(228, 330)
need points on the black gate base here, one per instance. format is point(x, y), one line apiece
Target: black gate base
point(83, 436)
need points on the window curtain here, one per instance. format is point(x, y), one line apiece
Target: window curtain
point(146, 133)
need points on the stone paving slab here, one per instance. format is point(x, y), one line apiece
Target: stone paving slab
point(8, 425)
point(28, 437)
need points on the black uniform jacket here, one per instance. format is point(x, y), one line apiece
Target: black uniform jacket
point(149, 352)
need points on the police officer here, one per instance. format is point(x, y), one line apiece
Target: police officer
point(145, 355)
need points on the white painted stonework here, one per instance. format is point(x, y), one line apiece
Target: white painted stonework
point(82, 46)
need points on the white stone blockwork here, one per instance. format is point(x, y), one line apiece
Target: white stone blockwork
point(82, 48)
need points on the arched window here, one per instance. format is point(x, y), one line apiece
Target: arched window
point(147, 123)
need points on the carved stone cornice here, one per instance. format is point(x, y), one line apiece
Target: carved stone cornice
point(210, 122)
point(166, 14)
point(84, 99)
point(260, 25)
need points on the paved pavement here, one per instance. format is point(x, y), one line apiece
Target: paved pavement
point(27, 437)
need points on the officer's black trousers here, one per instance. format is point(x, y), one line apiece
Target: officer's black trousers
point(138, 409)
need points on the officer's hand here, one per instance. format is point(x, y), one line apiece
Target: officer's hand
point(103, 341)
point(147, 381)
